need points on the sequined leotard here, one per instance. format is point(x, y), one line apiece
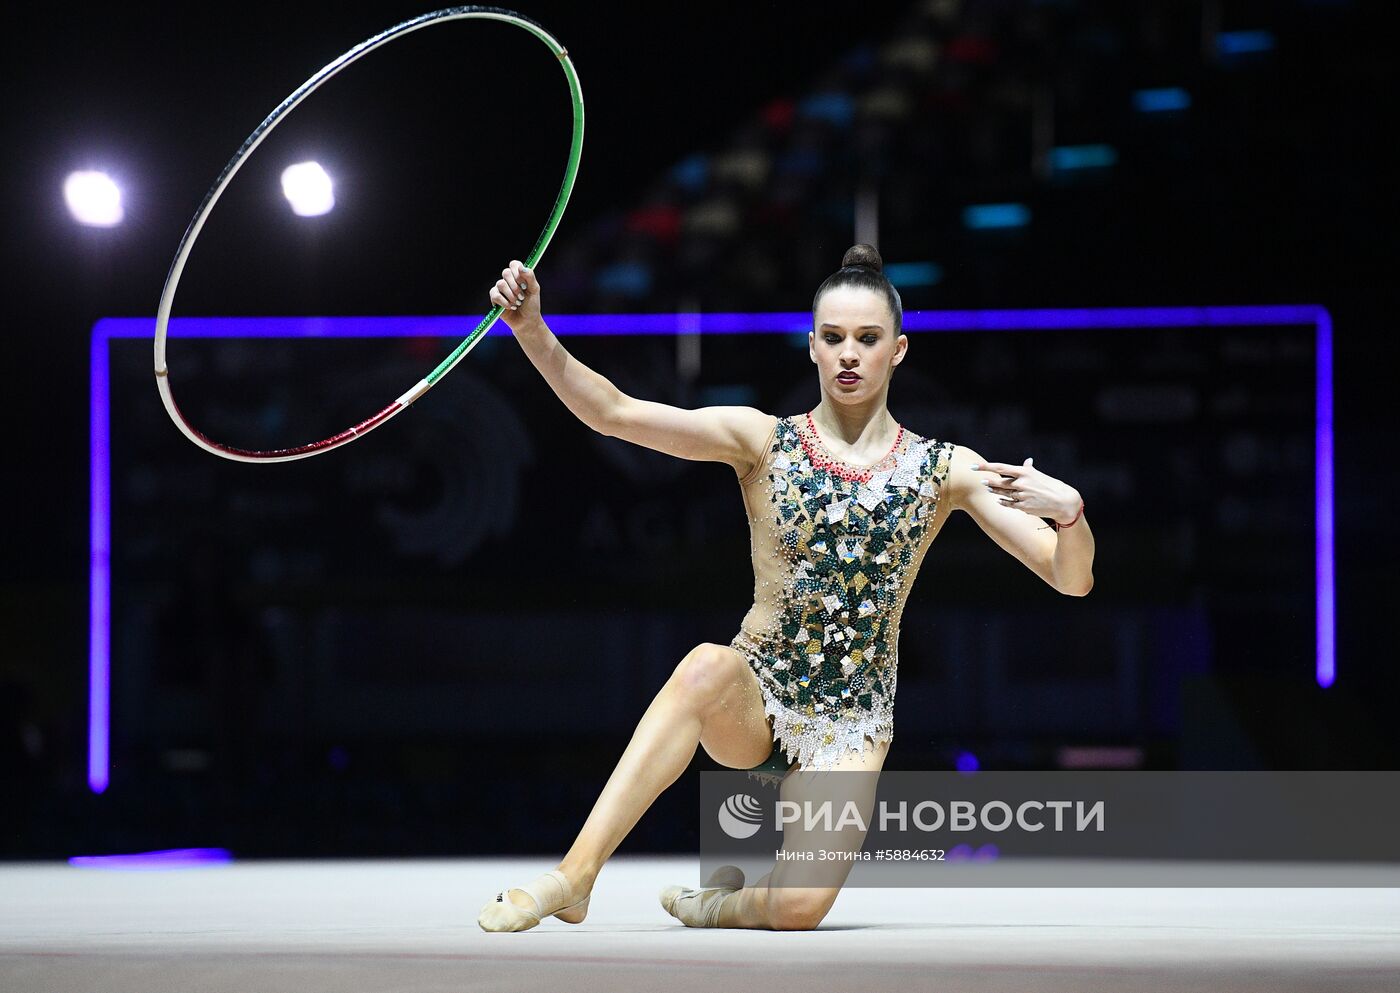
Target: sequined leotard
point(836, 548)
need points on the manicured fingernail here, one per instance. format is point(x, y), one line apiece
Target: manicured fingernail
point(978, 465)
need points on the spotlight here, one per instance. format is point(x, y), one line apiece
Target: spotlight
point(93, 198)
point(308, 189)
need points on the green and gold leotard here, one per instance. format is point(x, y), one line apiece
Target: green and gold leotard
point(836, 548)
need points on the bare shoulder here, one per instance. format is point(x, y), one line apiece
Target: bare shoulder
point(751, 428)
point(962, 478)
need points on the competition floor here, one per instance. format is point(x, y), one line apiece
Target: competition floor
point(383, 926)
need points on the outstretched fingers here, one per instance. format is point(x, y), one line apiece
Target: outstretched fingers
point(1002, 468)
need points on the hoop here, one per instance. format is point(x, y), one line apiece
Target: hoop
point(167, 296)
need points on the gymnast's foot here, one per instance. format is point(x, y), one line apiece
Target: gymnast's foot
point(554, 893)
point(701, 907)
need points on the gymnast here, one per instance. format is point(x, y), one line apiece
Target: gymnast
point(843, 503)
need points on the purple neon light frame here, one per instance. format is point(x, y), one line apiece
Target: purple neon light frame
point(99, 652)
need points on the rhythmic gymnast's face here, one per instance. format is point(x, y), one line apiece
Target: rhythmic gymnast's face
point(854, 334)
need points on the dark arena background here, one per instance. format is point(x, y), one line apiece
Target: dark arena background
point(351, 698)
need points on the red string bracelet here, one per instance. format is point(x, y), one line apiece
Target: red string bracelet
point(1072, 523)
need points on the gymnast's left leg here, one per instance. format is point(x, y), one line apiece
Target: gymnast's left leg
point(794, 895)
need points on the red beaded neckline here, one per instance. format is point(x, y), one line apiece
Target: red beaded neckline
point(820, 456)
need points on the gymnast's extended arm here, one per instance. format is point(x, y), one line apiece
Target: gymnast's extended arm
point(732, 435)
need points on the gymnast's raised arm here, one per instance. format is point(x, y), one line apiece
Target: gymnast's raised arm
point(732, 435)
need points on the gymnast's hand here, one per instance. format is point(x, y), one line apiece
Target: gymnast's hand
point(518, 291)
point(1026, 488)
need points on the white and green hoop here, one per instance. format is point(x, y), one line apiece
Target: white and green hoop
point(167, 297)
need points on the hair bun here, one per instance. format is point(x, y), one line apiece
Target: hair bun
point(863, 256)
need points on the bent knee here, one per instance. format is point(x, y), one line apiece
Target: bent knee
point(796, 912)
point(708, 671)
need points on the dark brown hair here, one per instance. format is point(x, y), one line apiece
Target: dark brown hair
point(862, 266)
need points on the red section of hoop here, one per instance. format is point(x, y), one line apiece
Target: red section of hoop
point(369, 424)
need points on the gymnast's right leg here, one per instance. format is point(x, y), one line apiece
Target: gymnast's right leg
point(712, 698)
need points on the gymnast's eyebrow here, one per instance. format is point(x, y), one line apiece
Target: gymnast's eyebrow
point(863, 327)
